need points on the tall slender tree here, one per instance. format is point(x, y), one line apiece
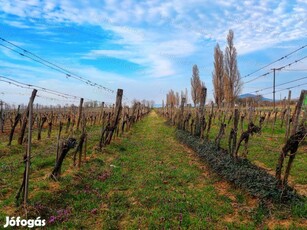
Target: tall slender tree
point(232, 83)
point(195, 85)
point(217, 75)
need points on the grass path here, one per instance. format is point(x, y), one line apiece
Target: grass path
point(157, 186)
point(155, 182)
point(146, 180)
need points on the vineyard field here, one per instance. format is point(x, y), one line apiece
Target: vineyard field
point(143, 179)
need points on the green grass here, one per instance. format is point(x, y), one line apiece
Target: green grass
point(144, 180)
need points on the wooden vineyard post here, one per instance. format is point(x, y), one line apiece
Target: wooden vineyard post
point(102, 126)
point(82, 143)
point(288, 115)
point(58, 141)
point(120, 123)
point(283, 113)
point(297, 111)
point(114, 121)
point(27, 169)
point(80, 113)
point(202, 120)
point(24, 126)
point(102, 113)
point(297, 135)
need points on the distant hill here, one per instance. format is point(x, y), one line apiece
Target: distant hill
point(249, 95)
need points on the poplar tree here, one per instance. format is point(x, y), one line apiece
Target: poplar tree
point(232, 83)
point(196, 85)
point(218, 75)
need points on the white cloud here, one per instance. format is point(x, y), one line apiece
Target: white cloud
point(251, 21)
point(154, 34)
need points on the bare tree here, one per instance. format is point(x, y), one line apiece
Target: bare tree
point(217, 75)
point(171, 99)
point(232, 83)
point(196, 85)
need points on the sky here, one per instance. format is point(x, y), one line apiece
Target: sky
point(147, 47)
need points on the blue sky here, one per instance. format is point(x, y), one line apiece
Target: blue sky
point(147, 47)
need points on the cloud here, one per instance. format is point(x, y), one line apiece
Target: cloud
point(161, 35)
point(17, 24)
point(252, 22)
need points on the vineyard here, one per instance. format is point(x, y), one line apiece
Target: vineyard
point(248, 132)
point(55, 133)
point(153, 114)
point(93, 162)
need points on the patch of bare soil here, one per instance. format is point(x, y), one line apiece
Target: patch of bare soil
point(274, 224)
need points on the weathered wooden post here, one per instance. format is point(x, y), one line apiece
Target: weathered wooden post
point(202, 121)
point(27, 171)
point(24, 126)
point(58, 141)
point(80, 113)
point(283, 112)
